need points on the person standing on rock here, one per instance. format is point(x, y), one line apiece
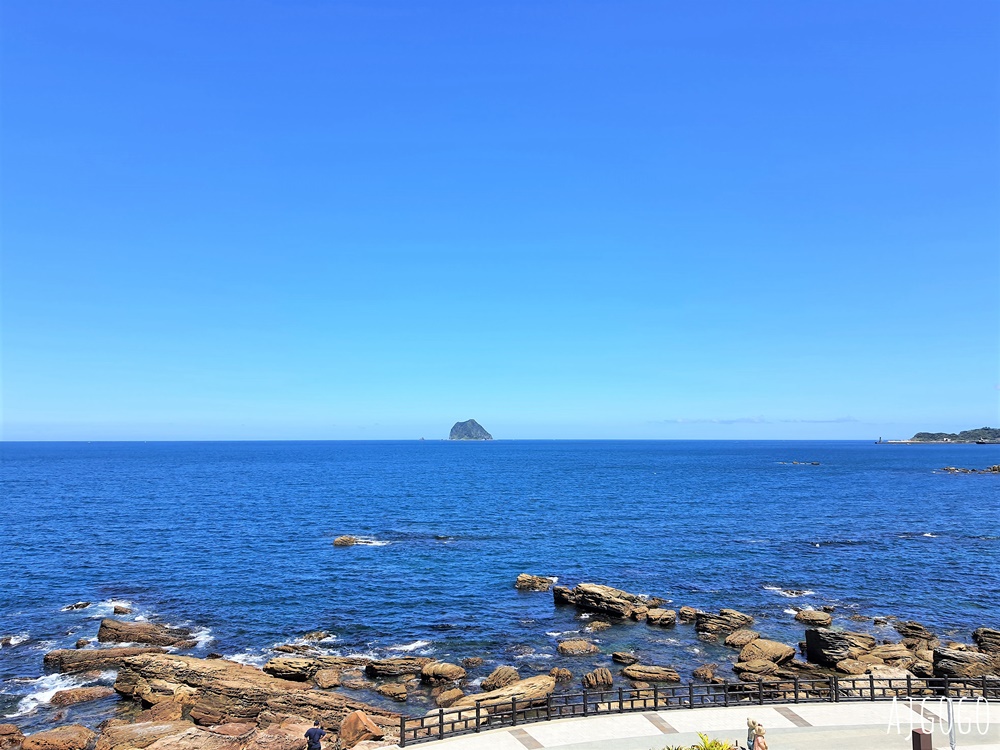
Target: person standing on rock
point(315, 736)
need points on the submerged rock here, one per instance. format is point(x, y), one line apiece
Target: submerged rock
point(577, 647)
point(345, 541)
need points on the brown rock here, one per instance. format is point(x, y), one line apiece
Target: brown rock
point(891, 651)
point(526, 582)
point(88, 659)
point(705, 672)
point(305, 667)
point(326, 679)
point(138, 735)
point(987, 639)
point(195, 738)
point(392, 690)
point(649, 673)
point(949, 662)
point(80, 695)
point(869, 659)
point(219, 691)
point(10, 737)
point(398, 666)
point(532, 689)
point(472, 662)
point(441, 671)
point(121, 609)
point(762, 648)
point(687, 614)
point(598, 626)
point(662, 617)
point(82, 642)
point(911, 629)
point(814, 618)
point(624, 657)
point(577, 647)
point(852, 666)
point(923, 668)
point(70, 737)
point(827, 647)
point(728, 620)
point(560, 675)
point(599, 679)
point(117, 631)
point(499, 678)
point(357, 727)
point(345, 541)
point(740, 638)
point(755, 667)
point(597, 598)
point(448, 697)
point(78, 605)
point(160, 712)
point(356, 684)
point(286, 734)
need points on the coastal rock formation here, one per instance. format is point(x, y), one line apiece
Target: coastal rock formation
point(577, 647)
point(649, 673)
point(304, 668)
point(624, 657)
point(597, 626)
point(911, 629)
point(560, 674)
point(139, 735)
point(220, 691)
point(393, 690)
point(448, 697)
point(396, 667)
point(469, 430)
point(852, 666)
point(70, 737)
point(440, 672)
point(950, 662)
point(891, 651)
point(599, 679)
point(687, 614)
point(728, 620)
point(594, 597)
point(10, 737)
point(358, 727)
point(89, 659)
point(814, 618)
point(531, 689)
point(740, 638)
point(705, 672)
point(750, 671)
point(117, 631)
point(772, 651)
point(527, 582)
point(828, 647)
point(499, 678)
point(345, 540)
point(662, 617)
point(80, 695)
point(326, 679)
point(987, 639)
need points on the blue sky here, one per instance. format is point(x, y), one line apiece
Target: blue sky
point(242, 220)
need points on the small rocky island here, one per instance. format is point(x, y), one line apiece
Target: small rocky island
point(469, 430)
point(981, 435)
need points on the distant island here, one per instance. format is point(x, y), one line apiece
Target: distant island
point(469, 430)
point(982, 435)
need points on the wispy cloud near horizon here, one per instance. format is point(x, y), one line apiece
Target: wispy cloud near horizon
point(755, 420)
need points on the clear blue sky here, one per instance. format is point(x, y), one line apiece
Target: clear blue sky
point(584, 219)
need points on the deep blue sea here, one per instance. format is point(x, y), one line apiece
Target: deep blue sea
point(235, 541)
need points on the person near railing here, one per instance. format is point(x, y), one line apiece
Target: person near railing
point(759, 743)
point(751, 735)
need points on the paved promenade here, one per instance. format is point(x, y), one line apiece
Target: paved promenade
point(803, 726)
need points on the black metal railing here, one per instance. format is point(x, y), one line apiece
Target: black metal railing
point(510, 713)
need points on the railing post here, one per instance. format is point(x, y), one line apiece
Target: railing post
point(947, 682)
point(548, 707)
point(725, 692)
point(513, 712)
point(621, 700)
point(871, 687)
point(795, 686)
point(836, 689)
point(984, 687)
point(585, 701)
point(402, 730)
point(477, 716)
point(656, 698)
point(760, 690)
point(690, 695)
point(441, 723)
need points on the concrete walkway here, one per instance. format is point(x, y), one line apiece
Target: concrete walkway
point(804, 726)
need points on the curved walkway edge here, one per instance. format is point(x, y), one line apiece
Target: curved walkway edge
point(883, 725)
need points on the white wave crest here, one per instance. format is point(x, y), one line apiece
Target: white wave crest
point(409, 647)
point(535, 656)
point(790, 611)
point(45, 687)
point(368, 541)
point(248, 658)
point(15, 640)
point(790, 593)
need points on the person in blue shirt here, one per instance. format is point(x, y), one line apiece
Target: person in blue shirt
point(315, 736)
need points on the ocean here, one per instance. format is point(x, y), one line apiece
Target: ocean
point(234, 540)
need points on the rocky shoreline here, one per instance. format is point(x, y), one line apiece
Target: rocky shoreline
point(171, 701)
